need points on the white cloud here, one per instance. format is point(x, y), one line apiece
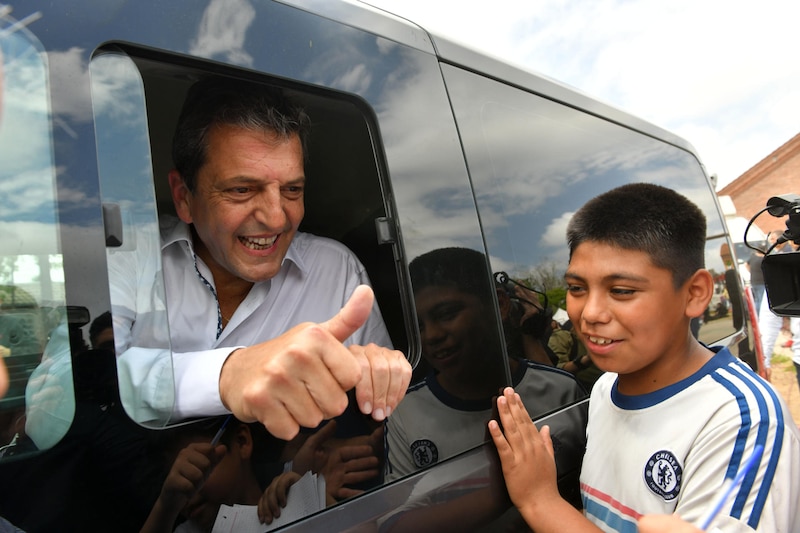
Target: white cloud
point(722, 74)
point(223, 30)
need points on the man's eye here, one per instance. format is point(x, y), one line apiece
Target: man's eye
point(239, 190)
point(293, 190)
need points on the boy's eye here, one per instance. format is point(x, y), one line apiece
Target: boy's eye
point(446, 313)
point(575, 289)
point(622, 292)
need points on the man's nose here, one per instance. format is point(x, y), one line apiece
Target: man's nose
point(269, 209)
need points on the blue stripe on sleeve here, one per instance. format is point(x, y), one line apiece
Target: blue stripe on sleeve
point(762, 436)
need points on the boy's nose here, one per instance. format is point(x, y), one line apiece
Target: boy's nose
point(594, 310)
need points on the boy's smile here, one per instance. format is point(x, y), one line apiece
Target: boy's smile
point(631, 317)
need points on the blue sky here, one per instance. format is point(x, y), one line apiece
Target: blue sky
point(722, 74)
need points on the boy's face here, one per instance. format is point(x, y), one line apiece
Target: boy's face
point(454, 330)
point(626, 310)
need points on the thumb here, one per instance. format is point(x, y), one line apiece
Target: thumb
point(353, 315)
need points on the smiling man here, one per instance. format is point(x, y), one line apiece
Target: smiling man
point(265, 322)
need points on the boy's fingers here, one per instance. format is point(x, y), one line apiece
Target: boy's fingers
point(548, 441)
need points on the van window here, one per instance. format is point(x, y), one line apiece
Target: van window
point(35, 329)
point(534, 162)
point(344, 201)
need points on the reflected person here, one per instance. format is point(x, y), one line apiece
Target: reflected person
point(447, 412)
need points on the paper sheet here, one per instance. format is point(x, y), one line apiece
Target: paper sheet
point(305, 497)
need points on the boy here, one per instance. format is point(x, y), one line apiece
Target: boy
point(672, 420)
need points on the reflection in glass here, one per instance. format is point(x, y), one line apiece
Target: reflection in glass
point(447, 412)
point(534, 162)
point(134, 261)
point(33, 316)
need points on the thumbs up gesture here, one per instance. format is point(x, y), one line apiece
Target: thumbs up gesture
point(302, 377)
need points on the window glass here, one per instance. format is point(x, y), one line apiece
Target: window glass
point(344, 199)
point(534, 162)
point(141, 331)
point(35, 329)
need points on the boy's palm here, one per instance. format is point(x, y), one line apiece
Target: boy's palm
point(526, 454)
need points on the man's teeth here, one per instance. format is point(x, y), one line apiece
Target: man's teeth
point(600, 340)
point(261, 243)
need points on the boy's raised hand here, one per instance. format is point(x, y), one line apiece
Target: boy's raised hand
point(526, 454)
point(188, 473)
point(275, 497)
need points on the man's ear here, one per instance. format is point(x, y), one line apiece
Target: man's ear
point(700, 288)
point(181, 196)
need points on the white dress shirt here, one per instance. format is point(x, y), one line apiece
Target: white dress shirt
point(168, 330)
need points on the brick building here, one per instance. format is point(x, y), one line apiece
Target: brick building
point(778, 173)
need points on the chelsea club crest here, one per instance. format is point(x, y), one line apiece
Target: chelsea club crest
point(663, 474)
point(424, 452)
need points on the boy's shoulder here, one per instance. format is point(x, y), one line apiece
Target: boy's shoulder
point(724, 378)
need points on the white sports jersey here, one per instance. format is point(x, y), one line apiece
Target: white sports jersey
point(430, 424)
point(671, 451)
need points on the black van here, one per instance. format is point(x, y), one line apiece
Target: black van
point(418, 144)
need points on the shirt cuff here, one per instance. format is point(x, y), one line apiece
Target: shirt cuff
point(197, 382)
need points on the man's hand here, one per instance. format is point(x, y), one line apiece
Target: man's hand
point(302, 377)
point(665, 524)
point(348, 465)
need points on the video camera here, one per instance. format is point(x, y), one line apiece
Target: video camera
point(782, 269)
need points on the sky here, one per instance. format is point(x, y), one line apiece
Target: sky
point(723, 74)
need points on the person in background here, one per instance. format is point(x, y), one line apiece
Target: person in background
point(770, 324)
point(572, 355)
point(756, 277)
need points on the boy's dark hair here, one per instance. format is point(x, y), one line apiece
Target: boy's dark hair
point(462, 268)
point(647, 218)
point(241, 103)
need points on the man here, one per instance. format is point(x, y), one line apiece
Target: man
point(255, 313)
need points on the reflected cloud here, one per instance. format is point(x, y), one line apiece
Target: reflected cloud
point(70, 73)
point(28, 238)
point(356, 80)
point(223, 30)
point(555, 234)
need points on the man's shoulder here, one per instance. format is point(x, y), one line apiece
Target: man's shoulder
point(307, 246)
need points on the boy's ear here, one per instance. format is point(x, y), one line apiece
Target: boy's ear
point(245, 441)
point(700, 288)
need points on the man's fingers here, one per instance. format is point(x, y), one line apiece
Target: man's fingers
point(385, 376)
point(353, 315)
